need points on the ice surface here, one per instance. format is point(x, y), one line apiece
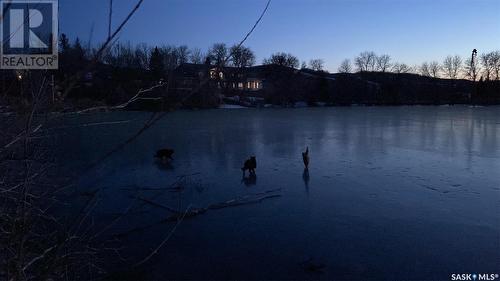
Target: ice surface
point(391, 193)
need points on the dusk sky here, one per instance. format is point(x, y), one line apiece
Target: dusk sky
point(411, 31)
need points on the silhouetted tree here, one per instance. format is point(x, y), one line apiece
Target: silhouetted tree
point(122, 55)
point(78, 51)
point(401, 68)
point(452, 66)
point(429, 69)
point(156, 65)
point(383, 63)
point(64, 45)
point(495, 60)
point(170, 56)
point(283, 59)
point(142, 55)
point(292, 61)
point(366, 61)
point(242, 56)
point(218, 53)
point(424, 69)
point(488, 65)
point(183, 54)
point(316, 64)
point(434, 69)
point(345, 66)
point(208, 60)
point(196, 56)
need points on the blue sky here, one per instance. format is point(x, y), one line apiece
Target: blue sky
point(411, 31)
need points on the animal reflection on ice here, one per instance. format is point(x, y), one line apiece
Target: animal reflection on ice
point(305, 177)
point(249, 180)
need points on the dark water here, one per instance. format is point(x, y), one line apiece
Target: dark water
point(392, 192)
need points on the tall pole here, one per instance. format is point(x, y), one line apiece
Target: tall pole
point(473, 74)
point(473, 65)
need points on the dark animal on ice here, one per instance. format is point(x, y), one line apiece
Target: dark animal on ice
point(250, 165)
point(164, 154)
point(305, 158)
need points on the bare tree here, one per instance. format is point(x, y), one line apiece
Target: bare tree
point(401, 68)
point(345, 66)
point(316, 64)
point(488, 65)
point(429, 69)
point(283, 59)
point(196, 56)
point(170, 57)
point(434, 69)
point(495, 61)
point(142, 54)
point(121, 55)
point(292, 61)
point(383, 63)
point(424, 69)
point(366, 61)
point(242, 56)
point(303, 65)
point(452, 66)
point(183, 54)
point(218, 53)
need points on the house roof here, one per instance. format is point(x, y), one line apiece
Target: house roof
point(191, 69)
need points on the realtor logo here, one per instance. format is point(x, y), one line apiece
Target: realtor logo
point(29, 34)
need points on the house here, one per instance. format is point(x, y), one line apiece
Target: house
point(250, 79)
point(188, 76)
point(250, 86)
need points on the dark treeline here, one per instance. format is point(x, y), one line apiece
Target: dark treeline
point(368, 78)
point(485, 66)
point(125, 68)
point(161, 60)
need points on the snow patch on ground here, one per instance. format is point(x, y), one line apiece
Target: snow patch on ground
point(231, 106)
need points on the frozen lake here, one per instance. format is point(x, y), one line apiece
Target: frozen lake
point(392, 192)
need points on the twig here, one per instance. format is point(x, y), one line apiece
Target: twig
point(38, 258)
point(22, 135)
point(93, 124)
point(235, 202)
point(123, 105)
point(155, 251)
point(157, 204)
